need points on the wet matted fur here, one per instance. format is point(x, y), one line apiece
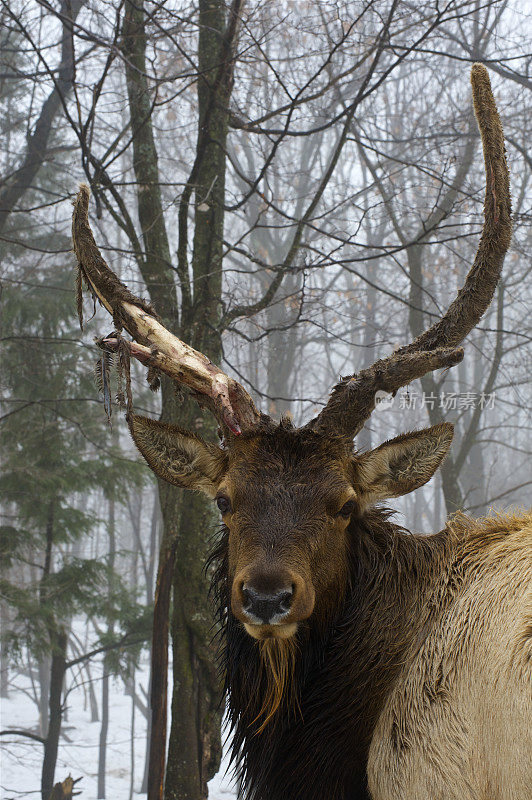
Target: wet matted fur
point(433, 636)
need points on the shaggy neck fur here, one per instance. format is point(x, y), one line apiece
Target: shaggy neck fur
point(302, 714)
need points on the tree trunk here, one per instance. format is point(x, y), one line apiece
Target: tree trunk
point(368, 355)
point(152, 556)
point(132, 741)
point(452, 493)
point(194, 748)
point(144, 784)
point(195, 742)
point(4, 661)
point(102, 747)
point(43, 671)
point(450, 483)
point(93, 702)
point(159, 278)
point(154, 546)
point(37, 143)
point(45, 665)
point(159, 646)
point(282, 343)
point(51, 745)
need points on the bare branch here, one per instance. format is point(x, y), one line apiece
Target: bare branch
point(26, 734)
point(37, 146)
point(224, 397)
point(477, 292)
point(353, 399)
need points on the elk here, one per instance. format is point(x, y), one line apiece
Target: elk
point(360, 660)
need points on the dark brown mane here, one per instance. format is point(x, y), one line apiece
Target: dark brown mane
point(343, 669)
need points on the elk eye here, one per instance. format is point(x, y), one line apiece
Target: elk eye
point(223, 503)
point(347, 509)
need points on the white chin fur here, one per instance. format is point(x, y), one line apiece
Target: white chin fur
point(271, 631)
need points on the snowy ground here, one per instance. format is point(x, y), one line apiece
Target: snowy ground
point(21, 759)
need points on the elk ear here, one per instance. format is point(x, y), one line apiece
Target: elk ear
point(401, 465)
point(178, 456)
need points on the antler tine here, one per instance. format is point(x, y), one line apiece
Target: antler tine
point(153, 344)
point(353, 399)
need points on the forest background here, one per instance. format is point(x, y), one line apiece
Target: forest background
point(297, 187)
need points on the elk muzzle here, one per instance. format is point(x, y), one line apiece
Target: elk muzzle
point(265, 608)
point(271, 601)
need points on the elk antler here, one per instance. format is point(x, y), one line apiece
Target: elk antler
point(154, 345)
point(353, 399)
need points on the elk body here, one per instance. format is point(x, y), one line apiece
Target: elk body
point(360, 660)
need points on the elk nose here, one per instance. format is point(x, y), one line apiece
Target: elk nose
point(265, 607)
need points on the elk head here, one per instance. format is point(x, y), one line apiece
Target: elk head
point(287, 495)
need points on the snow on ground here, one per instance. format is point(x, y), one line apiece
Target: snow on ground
point(21, 759)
